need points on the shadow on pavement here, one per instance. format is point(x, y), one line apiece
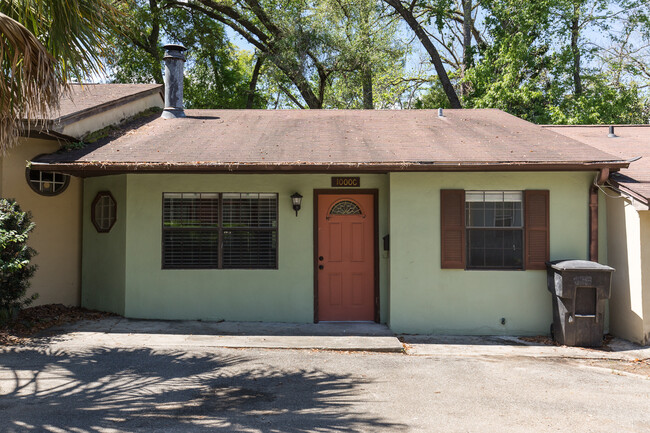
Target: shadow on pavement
point(146, 390)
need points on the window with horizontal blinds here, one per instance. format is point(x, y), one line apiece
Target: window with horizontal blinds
point(220, 231)
point(250, 224)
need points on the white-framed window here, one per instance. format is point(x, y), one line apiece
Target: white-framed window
point(494, 221)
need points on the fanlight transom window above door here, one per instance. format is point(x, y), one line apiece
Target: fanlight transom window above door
point(345, 207)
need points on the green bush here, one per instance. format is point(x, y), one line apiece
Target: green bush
point(15, 258)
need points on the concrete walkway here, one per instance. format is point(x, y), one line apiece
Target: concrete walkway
point(341, 336)
point(120, 332)
point(478, 346)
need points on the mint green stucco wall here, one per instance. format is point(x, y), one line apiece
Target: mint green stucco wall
point(427, 299)
point(285, 294)
point(122, 269)
point(103, 265)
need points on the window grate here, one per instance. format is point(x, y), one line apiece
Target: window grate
point(220, 230)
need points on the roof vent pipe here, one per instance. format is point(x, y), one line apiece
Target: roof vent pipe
point(440, 112)
point(174, 60)
point(611, 132)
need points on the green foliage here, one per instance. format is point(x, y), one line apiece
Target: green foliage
point(216, 74)
point(130, 64)
point(535, 62)
point(532, 59)
point(601, 103)
point(433, 98)
point(15, 259)
point(370, 58)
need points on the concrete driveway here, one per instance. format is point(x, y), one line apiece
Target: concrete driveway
point(68, 382)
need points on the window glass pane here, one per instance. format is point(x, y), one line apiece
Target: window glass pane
point(496, 211)
point(513, 196)
point(475, 214)
point(249, 249)
point(249, 210)
point(494, 248)
point(518, 217)
point(493, 196)
point(474, 196)
point(494, 229)
point(46, 183)
point(192, 234)
point(490, 214)
point(183, 249)
point(191, 210)
point(104, 212)
point(345, 207)
point(476, 247)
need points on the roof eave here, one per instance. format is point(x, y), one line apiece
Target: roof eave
point(97, 168)
point(629, 191)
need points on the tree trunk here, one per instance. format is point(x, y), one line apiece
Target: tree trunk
point(152, 41)
point(366, 64)
point(575, 49)
point(431, 49)
point(229, 16)
point(253, 84)
point(467, 42)
point(366, 83)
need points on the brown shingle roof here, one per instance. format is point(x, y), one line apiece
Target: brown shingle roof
point(88, 99)
point(212, 140)
point(632, 141)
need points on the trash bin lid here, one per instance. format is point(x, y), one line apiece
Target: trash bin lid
point(578, 265)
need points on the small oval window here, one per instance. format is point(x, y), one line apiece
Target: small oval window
point(46, 183)
point(345, 207)
point(104, 212)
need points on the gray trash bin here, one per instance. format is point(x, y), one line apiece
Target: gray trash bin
point(580, 289)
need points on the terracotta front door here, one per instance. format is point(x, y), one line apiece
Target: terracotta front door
point(346, 257)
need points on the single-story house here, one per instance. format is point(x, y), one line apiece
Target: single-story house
point(628, 224)
point(429, 221)
point(55, 199)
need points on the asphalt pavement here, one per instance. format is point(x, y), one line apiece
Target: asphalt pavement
point(67, 381)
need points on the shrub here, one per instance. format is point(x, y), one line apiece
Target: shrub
point(15, 258)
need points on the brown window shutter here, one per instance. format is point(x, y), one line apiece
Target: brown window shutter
point(537, 229)
point(452, 223)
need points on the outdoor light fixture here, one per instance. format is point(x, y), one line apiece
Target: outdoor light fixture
point(296, 201)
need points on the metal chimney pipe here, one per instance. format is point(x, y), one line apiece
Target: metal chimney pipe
point(611, 132)
point(440, 112)
point(174, 60)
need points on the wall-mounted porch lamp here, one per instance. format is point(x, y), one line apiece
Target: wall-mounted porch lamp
point(296, 201)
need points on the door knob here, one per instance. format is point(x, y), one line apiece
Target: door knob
point(321, 267)
point(320, 258)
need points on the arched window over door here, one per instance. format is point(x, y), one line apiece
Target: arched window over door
point(345, 207)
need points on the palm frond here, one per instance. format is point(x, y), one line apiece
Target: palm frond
point(43, 45)
point(31, 81)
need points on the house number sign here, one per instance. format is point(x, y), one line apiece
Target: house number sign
point(354, 182)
